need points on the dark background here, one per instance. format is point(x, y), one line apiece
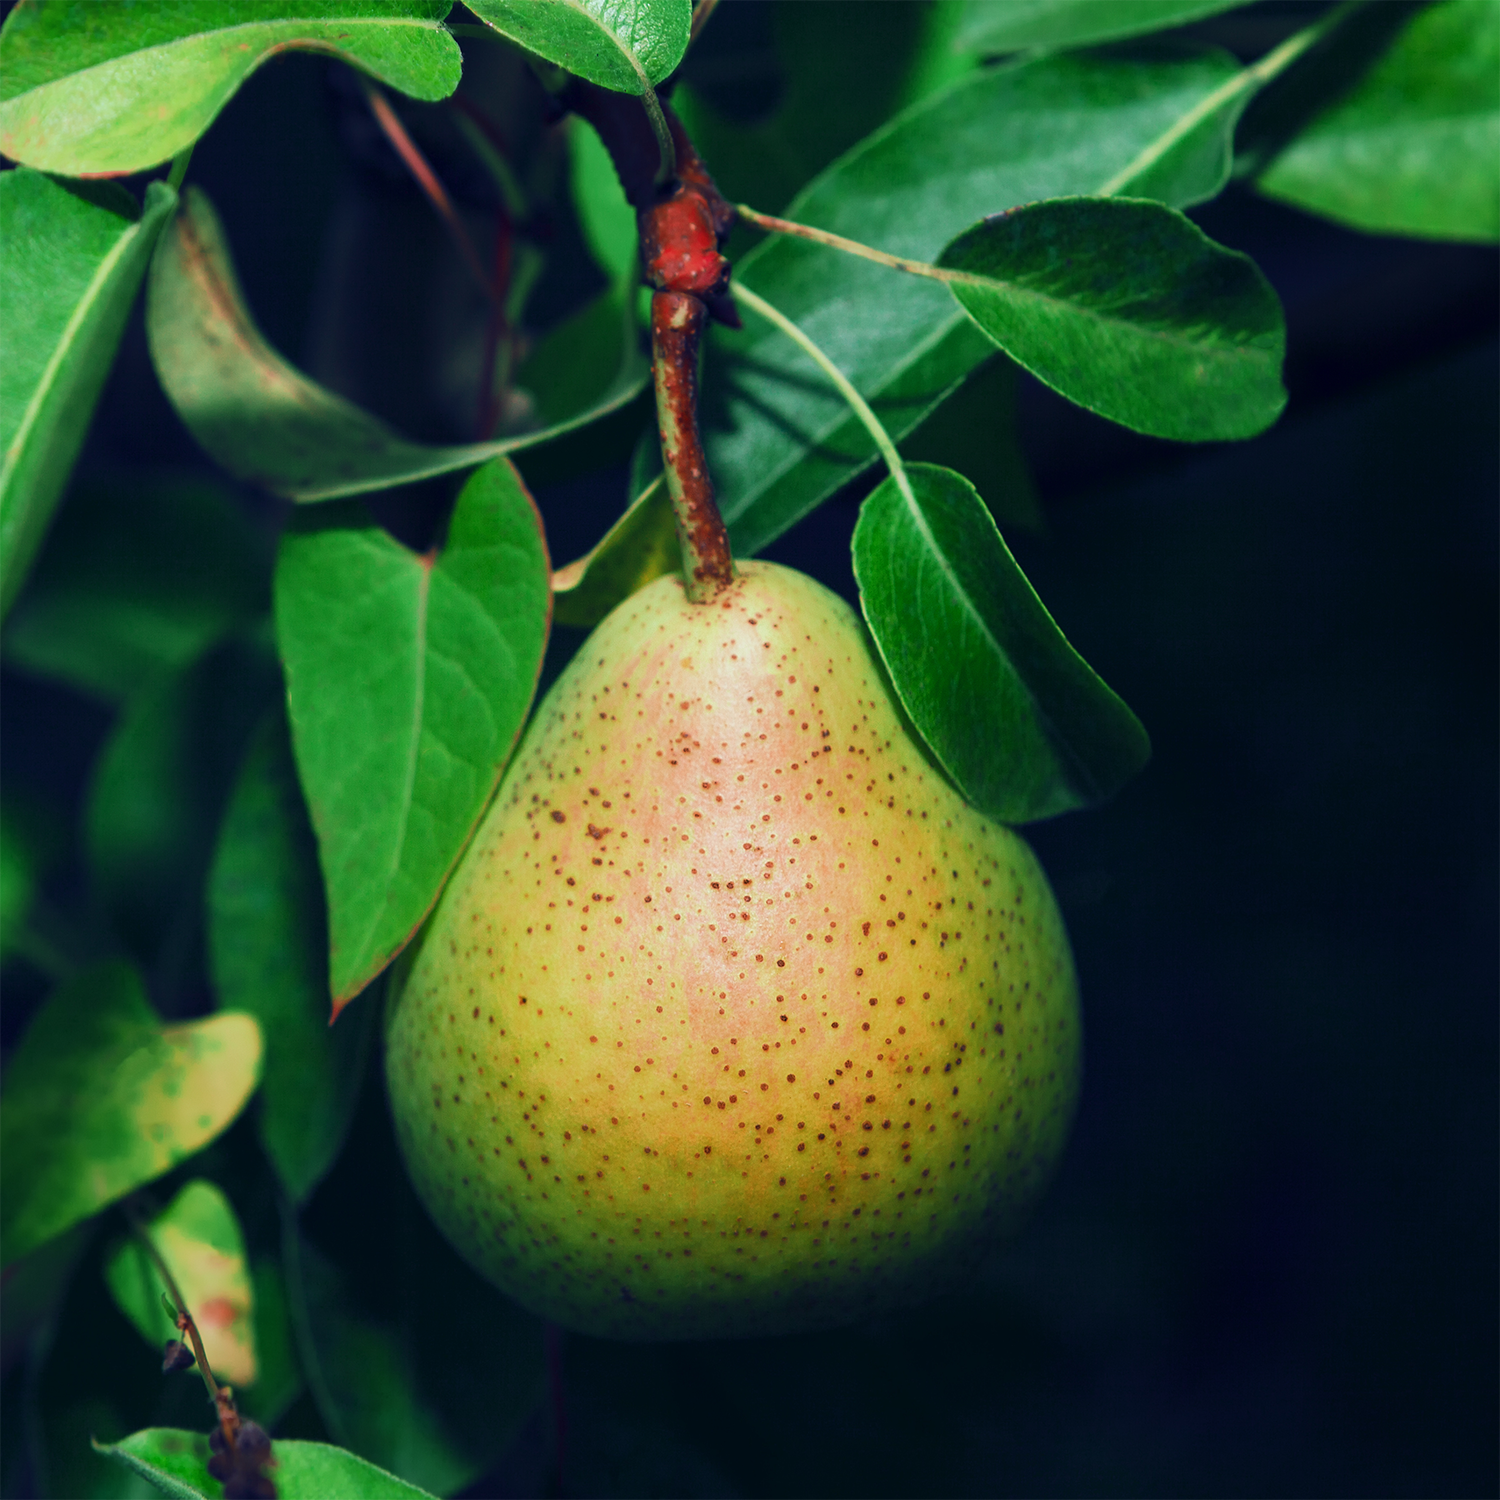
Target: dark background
point(1268, 1264)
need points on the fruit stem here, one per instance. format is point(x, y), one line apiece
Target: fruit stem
point(677, 320)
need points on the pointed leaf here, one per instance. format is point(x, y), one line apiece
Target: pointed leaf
point(640, 546)
point(198, 1236)
point(987, 27)
point(159, 788)
point(280, 1380)
point(408, 680)
point(89, 89)
point(780, 441)
point(619, 44)
point(1016, 717)
point(266, 422)
point(176, 1463)
point(101, 1098)
point(1129, 309)
point(605, 217)
point(138, 578)
point(268, 947)
point(71, 258)
point(1414, 147)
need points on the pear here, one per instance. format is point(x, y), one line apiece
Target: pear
point(735, 1019)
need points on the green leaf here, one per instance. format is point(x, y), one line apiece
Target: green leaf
point(988, 27)
point(71, 257)
point(1414, 147)
point(1129, 309)
point(779, 440)
point(619, 44)
point(266, 422)
point(176, 1462)
point(268, 947)
point(1016, 717)
point(408, 680)
point(604, 215)
point(159, 788)
point(100, 1098)
point(199, 1238)
point(437, 1411)
point(137, 578)
point(640, 546)
point(90, 89)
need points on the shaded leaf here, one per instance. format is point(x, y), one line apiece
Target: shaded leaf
point(988, 27)
point(199, 1238)
point(266, 422)
point(268, 949)
point(115, 89)
point(1016, 717)
point(616, 43)
point(176, 1463)
point(1129, 309)
point(159, 787)
point(34, 1286)
point(408, 680)
point(280, 1379)
point(435, 1411)
point(138, 577)
point(779, 440)
point(71, 258)
point(640, 546)
point(604, 216)
point(100, 1098)
point(1414, 146)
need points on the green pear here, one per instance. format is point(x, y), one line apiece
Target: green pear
point(735, 1018)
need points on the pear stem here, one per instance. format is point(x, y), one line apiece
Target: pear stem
point(677, 320)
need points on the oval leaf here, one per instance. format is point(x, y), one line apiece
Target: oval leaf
point(199, 1238)
point(101, 1097)
point(987, 27)
point(268, 947)
point(137, 579)
point(266, 422)
point(408, 680)
point(1414, 147)
point(71, 258)
point(1022, 724)
point(89, 88)
point(1129, 309)
point(176, 1462)
point(619, 44)
point(779, 440)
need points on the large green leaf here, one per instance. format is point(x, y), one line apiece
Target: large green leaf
point(408, 680)
point(1414, 147)
point(175, 1462)
point(87, 88)
point(100, 1097)
point(1017, 718)
point(198, 1237)
point(268, 949)
point(266, 422)
point(71, 257)
point(137, 578)
point(1016, 24)
point(158, 790)
point(620, 44)
point(779, 440)
point(1129, 309)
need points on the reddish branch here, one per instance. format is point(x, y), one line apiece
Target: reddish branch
point(682, 227)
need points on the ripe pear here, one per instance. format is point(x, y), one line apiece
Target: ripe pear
point(735, 1018)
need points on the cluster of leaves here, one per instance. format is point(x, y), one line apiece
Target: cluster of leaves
point(302, 746)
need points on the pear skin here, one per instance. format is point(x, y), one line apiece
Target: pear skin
point(735, 1018)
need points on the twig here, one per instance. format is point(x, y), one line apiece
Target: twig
point(857, 403)
point(677, 320)
point(437, 195)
